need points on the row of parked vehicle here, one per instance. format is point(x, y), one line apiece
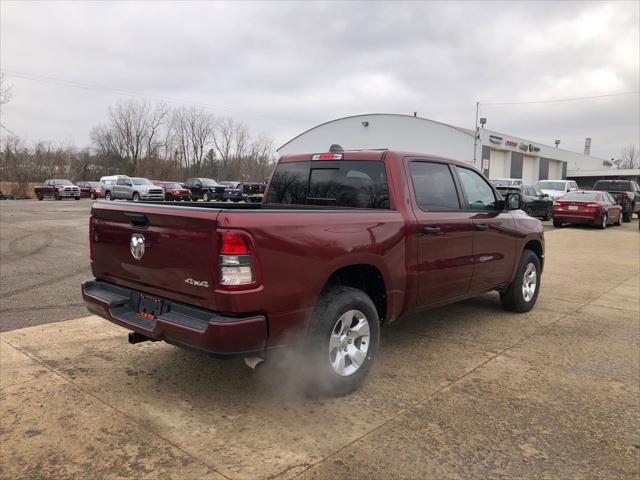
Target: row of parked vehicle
point(123, 187)
point(610, 202)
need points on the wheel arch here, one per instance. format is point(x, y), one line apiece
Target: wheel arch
point(535, 245)
point(365, 277)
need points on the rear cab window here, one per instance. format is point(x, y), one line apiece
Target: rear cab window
point(341, 183)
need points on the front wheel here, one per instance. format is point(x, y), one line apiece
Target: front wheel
point(76, 198)
point(343, 340)
point(57, 196)
point(136, 197)
point(521, 295)
point(205, 197)
point(40, 198)
point(629, 215)
point(107, 196)
point(93, 196)
point(619, 221)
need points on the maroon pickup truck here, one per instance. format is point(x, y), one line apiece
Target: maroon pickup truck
point(58, 189)
point(342, 243)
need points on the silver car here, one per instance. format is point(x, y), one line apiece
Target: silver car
point(131, 188)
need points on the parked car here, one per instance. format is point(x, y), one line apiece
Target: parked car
point(6, 197)
point(556, 188)
point(344, 242)
point(205, 188)
point(253, 192)
point(173, 191)
point(506, 181)
point(535, 203)
point(625, 192)
point(130, 188)
point(587, 207)
point(91, 190)
point(58, 189)
point(234, 192)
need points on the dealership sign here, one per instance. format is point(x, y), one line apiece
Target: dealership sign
point(495, 139)
point(511, 143)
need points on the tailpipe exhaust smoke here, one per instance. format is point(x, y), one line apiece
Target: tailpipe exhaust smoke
point(253, 362)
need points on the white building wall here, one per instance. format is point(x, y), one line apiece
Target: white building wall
point(395, 132)
point(530, 168)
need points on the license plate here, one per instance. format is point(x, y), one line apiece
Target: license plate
point(149, 307)
point(573, 207)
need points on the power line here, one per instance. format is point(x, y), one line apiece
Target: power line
point(574, 99)
point(129, 93)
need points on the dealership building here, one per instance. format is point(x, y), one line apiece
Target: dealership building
point(497, 154)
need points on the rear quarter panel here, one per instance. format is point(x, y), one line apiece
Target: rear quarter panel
point(298, 250)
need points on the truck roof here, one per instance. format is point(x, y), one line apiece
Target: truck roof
point(364, 155)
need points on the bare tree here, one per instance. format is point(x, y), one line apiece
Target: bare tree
point(193, 133)
point(6, 90)
point(630, 157)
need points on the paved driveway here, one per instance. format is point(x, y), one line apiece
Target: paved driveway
point(465, 391)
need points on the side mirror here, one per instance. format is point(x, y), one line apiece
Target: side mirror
point(513, 201)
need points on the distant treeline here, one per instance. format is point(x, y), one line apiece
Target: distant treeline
point(147, 140)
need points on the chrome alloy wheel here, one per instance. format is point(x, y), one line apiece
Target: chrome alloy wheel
point(349, 343)
point(529, 282)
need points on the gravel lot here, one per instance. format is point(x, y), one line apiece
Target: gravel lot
point(465, 391)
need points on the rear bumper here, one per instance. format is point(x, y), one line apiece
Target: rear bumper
point(177, 323)
point(574, 217)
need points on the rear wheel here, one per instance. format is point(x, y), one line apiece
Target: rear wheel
point(557, 223)
point(57, 196)
point(627, 216)
point(93, 196)
point(342, 340)
point(521, 295)
point(603, 224)
point(39, 198)
point(76, 198)
point(619, 221)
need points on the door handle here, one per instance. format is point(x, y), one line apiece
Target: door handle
point(431, 230)
point(482, 226)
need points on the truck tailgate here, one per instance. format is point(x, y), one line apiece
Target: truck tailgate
point(180, 250)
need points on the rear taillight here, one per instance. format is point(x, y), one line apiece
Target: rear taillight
point(327, 156)
point(91, 237)
point(236, 261)
point(592, 205)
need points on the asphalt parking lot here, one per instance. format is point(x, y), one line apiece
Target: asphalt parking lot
point(465, 391)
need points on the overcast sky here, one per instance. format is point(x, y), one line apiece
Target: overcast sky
point(285, 67)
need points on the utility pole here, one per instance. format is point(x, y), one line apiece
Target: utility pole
point(475, 136)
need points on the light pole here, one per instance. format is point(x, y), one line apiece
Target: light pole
point(475, 136)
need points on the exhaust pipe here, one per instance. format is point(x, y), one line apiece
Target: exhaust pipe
point(135, 337)
point(253, 362)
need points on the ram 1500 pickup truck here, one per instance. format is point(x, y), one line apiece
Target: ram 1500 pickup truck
point(343, 243)
point(58, 189)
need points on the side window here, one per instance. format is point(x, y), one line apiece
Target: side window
point(433, 186)
point(121, 181)
point(479, 194)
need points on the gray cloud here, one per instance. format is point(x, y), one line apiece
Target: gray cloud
point(284, 67)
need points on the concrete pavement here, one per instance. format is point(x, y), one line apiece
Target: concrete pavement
point(465, 391)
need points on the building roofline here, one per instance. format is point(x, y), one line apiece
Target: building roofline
point(460, 129)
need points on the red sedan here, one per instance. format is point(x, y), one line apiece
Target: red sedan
point(91, 190)
point(594, 208)
point(173, 190)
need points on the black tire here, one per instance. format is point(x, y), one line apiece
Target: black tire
point(57, 196)
point(512, 297)
point(135, 197)
point(334, 302)
point(205, 197)
point(93, 196)
point(603, 224)
point(107, 195)
point(627, 216)
point(40, 198)
point(620, 219)
point(76, 198)
point(557, 223)
point(529, 211)
point(167, 197)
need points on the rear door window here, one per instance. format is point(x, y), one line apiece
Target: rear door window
point(433, 186)
point(347, 183)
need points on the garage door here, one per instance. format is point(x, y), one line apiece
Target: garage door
point(555, 170)
point(529, 170)
point(497, 164)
